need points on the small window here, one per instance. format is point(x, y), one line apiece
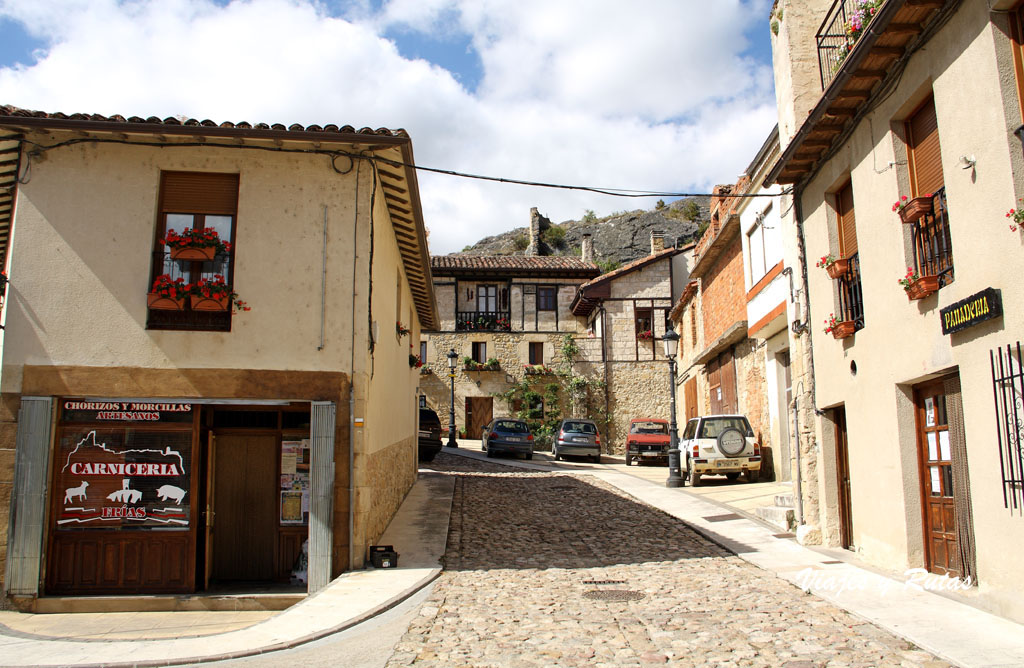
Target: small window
point(537, 353)
point(546, 298)
point(691, 429)
point(480, 352)
point(486, 298)
point(423, 352)
point(644, 321)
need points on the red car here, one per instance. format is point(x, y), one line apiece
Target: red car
point(647, 440)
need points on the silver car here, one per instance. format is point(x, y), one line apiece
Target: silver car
point(577, 437)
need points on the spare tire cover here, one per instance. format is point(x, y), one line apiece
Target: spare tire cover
point(731, 442)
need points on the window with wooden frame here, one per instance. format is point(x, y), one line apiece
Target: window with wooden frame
point(423, 352)
point(486, 298)
point(546, 300)
point(536, 352)
point(480, 352)
point(851, 294)
point(194, 201)
point(1017, 42)
point(931, 241)
point(644, 324)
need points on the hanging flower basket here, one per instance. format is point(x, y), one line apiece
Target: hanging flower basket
point(160, 303)
point(922, 287)
point(843, 329)
point(200, 303)
point(215, 295)
point(167, 294)
point(194, 254)
point(839, 268)
point(910, 211)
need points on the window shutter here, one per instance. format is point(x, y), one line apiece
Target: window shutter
point(847, 221)
point(925, 156)
point(199, 192)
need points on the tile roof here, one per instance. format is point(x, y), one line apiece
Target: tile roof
point(519, 264)
point(592, 292)
point(171, 121)
point(632, 266)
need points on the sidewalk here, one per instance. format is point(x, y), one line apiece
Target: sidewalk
point(953, 631)
point(419, 532)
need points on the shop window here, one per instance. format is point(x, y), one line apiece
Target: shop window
point(192, 200)
point(536, 352)
point(480, 352)
point(546, 298)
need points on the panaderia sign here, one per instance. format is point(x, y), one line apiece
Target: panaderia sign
point(977, 308)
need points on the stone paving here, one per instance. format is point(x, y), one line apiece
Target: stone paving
point(549, 569)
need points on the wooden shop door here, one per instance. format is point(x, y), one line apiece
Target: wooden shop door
point(479, 412)
point(245, 507)
point(936, 470)
point(843, 482)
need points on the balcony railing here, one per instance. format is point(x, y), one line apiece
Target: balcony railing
point(842, 27)
point(933, 250)
point(483, 321)
point(851, 297)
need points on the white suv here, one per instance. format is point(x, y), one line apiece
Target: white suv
point(720, 444)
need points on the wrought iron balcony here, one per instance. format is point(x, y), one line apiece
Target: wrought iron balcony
point(483, 321)
point(843, 25)
point(933, 249)
point(851, 296)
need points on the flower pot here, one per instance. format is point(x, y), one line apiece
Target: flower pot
point(200, 303)
point(843, 329)
point(194, 254)
point(838, 268)
point(161, 303)
point(922, 287)
point(915, 208)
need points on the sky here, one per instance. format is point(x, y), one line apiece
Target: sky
point(653, 95)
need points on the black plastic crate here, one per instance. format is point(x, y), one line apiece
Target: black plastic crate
point(383, 556)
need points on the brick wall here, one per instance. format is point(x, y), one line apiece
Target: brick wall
point(723, 298)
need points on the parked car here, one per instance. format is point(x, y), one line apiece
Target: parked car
point(507, 435)
point(577, 438)
point(430, 435)
point(647, 440)
point(721, 444)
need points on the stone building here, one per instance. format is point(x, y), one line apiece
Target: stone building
point(512, 311)
point(899, 137)
point(160, 441)
point(626, 312)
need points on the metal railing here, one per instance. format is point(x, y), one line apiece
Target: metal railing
point(1008, 391)
point(483, 321)
point(843, 25)
point(851, 296)
point(933, 249)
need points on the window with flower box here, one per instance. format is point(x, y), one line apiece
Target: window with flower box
point(929, 231)
point(536, 352)
point(202, 207)
point(851, 294)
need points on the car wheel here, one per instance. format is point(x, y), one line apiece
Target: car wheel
point(596, 459)
point(490, 453)
point(629, 460)
point(529, 456)
point(554, 453)
point(694, 478)
point(733, 475)
point(751, 475)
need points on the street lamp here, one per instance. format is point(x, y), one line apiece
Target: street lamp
point(452, 357)
point(675, 474)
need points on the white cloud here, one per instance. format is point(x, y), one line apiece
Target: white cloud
point(572, 92)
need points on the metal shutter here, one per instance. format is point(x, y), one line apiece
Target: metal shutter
point(199, 192)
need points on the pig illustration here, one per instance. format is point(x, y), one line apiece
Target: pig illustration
point(171, 492)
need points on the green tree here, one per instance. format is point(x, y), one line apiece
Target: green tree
point(589, 216)
point(554, 236)
point(520, 242)
point(690, 210)
point(659, 205)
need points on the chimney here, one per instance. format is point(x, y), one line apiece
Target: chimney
point(657, 242)
point(587, 248)
point(534, 248)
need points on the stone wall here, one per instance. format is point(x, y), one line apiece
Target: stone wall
point(389, 475)
point(636, 389)
point(9, 404)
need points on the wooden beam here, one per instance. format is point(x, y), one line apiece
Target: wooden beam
point(390, 175)
point(394, 198)
point(877, 50)
point(854, 95)
point(869, 74)
point(817, 143)
point(407, 221)
point(843, 112)
point(395, 207)
point(903, 28)
point(391, 186)
point(934, 4)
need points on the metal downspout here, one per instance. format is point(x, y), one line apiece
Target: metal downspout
point(352, 388)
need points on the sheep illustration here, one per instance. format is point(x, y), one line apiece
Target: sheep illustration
point(71, 492)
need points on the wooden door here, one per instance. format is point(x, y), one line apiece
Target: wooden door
point(245, 507)
point(211, 463)
point(843, 479)
point(728, 375)
point(936, 472)
point(690, 398)
point(479, 412)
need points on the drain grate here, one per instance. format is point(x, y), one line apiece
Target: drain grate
point(613, 595)
point(604, 582)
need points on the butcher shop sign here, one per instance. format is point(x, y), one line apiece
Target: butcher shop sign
point(123, 477)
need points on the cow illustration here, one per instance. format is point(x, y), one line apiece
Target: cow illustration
point(171, 492)
point(125, 494)
point(71, 492)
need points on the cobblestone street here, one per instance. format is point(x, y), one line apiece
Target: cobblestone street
point(548, 569)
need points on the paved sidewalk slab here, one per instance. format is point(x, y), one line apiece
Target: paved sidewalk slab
point(418, 532)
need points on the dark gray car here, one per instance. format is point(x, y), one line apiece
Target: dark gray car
point(577, 437)
point(507, 435)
